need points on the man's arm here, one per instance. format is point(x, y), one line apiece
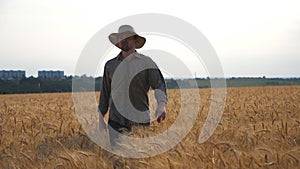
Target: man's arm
point(104, 93)
point(104, 97)
point(157, 83)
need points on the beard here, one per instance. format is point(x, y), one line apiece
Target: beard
point(125, 47)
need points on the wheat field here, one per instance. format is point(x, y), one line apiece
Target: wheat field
point(260, 128)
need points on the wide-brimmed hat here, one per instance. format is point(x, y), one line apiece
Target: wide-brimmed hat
point(124, 32)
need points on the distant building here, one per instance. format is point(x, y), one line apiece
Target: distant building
point(12, 74)
point(50, 74)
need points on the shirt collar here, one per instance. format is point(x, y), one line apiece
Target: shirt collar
point(135, 54)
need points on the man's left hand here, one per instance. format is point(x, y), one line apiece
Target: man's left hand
point(160, 112)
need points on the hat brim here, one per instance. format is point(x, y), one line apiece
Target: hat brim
point(115, 38)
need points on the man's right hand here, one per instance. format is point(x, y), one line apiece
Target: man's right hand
point(102, 124)
point(103, 132)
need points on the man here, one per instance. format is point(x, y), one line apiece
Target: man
point(127, 79)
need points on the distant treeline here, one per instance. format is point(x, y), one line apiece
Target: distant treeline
point(38, 85)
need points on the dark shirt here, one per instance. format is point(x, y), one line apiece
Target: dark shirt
point(126, 82)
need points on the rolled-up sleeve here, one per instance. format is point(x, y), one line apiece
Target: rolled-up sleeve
point(105, 92)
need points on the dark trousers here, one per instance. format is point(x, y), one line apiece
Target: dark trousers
point(116, 130)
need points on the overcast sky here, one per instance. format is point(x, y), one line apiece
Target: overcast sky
point(251, 38)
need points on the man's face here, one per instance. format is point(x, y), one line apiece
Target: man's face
point(128, 44)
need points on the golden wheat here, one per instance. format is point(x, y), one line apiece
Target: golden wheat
point(260, 127)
